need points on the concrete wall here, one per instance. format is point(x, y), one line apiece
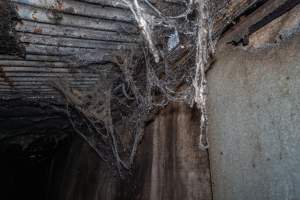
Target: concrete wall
point(254, 113)
point(179, 169)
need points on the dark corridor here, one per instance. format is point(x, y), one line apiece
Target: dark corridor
point(28, 173)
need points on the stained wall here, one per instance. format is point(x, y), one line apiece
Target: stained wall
point(169, 165)
point(254, 112)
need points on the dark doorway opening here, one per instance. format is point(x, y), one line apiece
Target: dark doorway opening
point(27, 172)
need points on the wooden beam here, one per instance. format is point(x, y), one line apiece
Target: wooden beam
point(282, 9)
point(260, 17)
point(227, 11)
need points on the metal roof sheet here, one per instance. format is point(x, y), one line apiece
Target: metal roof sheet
point(55, 33)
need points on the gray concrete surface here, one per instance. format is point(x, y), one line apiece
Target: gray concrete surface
point(254, 123)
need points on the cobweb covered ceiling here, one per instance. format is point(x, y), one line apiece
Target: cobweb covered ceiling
point(54, 37)
point(115, 63)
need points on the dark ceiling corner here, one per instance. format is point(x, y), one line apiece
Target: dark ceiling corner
point(9, 44)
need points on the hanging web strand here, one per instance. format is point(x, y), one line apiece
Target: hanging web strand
point(143, 24)
point(204, 47)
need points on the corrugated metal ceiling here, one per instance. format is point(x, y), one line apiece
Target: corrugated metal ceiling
point(55, 33)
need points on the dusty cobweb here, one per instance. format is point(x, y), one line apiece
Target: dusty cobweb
point(168, 66)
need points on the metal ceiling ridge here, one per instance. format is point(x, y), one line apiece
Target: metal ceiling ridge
point(80, 8)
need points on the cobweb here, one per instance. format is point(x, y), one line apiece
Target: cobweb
point(168, 66)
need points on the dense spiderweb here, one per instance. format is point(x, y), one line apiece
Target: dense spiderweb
point(138, 82)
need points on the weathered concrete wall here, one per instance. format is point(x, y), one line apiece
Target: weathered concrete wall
point(179, 169)
point(254, 112)
point(169, 165)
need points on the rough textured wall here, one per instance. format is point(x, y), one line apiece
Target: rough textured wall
point(179, 169)
point(169, 165)
point(254, 122)
point(8, 40)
